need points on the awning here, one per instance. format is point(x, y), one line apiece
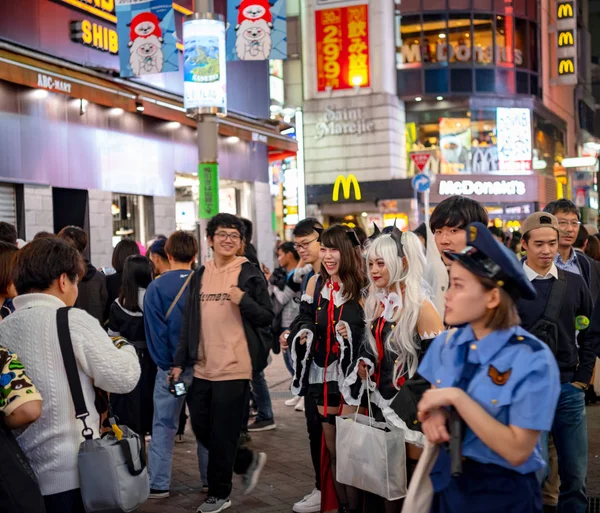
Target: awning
point(30, 69)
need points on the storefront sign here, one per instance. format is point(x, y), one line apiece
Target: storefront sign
point(53, 84)
point(94, 35)
point(147, 43)
point(258, 30)
point(103, 9)
point(444, 52)
point(566, 41)
point(481, 188)
point(204, 75)
point(342, 44)
point(343, 122)
point(514, 139)
point(346, 183)
point(208, 191)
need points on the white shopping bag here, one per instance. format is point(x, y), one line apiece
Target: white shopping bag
point(370, 456)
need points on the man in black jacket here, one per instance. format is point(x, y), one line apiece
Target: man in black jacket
point(225, 337)
point(575, 352)
point(93, 295)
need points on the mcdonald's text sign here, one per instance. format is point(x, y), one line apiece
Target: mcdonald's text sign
point(566, 42)
point(346, 183)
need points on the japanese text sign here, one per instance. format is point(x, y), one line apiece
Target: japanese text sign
point(342, 44)
point(208, 192)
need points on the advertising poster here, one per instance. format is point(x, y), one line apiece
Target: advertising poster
point(455, 145)
point(204, 66)
point(342, 43)
point(514, 139)
point(257, 30)
point(147, 39)
point(208, 190)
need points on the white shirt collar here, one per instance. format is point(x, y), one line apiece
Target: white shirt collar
point(532, 275)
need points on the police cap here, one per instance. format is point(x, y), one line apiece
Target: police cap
point(486, 257)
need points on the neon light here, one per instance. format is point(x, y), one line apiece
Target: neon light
point(78, 4)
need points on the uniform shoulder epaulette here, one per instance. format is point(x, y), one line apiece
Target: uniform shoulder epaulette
point(529, 340)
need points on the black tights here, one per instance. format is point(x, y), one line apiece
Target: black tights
point(347, 495)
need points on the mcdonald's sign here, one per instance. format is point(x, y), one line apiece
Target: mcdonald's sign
point(565, 38)
point(565, 11)
point(346, 183)
point(566, 67)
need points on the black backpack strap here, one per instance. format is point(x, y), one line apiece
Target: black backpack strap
point(66, 348)
point(557, 293)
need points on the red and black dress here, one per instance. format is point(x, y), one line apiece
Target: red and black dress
point(322, 362)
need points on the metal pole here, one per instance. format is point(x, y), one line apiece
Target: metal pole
point(207, 129)
point(427, 207)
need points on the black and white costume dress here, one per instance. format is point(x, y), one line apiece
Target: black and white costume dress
point(322, 362)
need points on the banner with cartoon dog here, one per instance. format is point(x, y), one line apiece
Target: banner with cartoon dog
point(147, 38)
point(257, 30)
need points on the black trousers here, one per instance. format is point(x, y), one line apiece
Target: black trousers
point(65, 502)
point(216, 411)
point(315, 435)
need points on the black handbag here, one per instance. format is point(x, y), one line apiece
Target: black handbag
point(19, 489)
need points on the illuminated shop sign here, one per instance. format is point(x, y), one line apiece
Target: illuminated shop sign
point(346, 183)
point(53, 84)
point(566, 41)
point(343, 122)
point(514, 139)
point(444, 52)
point(93, 34)
point(482, 188)
point(103, 9)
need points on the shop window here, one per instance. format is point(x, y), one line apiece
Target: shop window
point(484, 81)
point(483, 39)
point(533, 47)
point(482, 5)
point(505, 41)
point(410, 82)
point(533, 85)
point(435, 39)
point(436, 81)
point(484, 151)
point(459, 38)
point(521, 54)
point(505, 81)
point(130, 218)
point(522, 82)
point(412, 50)
point(461, 80)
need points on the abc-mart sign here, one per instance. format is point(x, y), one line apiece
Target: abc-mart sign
point(482, 188)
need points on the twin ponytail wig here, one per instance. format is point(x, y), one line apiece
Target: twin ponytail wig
point(406, 280)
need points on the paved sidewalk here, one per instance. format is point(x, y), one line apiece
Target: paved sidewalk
point(287, 477)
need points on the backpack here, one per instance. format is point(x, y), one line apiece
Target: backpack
point(19, 490)
point(546, 328)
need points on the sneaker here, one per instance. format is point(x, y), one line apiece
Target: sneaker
point(251, 477)
point(253, 412)
point(300, 405)
point(293, 401)
point(311, 503)
point(262, 425)
point(214, 505)
point(159, 494)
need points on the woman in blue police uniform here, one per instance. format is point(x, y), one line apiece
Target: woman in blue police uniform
point(503, 382)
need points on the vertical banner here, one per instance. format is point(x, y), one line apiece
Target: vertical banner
point(342, 44)
point(204, 67)
point(258, 30)
point(208, 191)
point(566, 41)
point(147, 42)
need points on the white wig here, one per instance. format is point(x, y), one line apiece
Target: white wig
point(407, 280)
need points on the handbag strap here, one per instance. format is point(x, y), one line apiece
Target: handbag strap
point(555, 300)
point(126, 449)
point(66, 349)
point(179, 294)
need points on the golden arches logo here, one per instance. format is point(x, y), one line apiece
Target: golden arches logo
point(565, 11)
point(566, 39)
point(565, 67)
point(346, 183)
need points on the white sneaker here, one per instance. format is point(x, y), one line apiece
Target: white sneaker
point(293, 401)
point(300, 405)
point(310, 504)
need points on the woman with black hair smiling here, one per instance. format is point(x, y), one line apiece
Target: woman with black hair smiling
point(327, 335)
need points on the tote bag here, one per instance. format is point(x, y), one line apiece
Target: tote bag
point(371, 456)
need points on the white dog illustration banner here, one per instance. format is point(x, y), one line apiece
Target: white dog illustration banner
point(257, 30)
point(147, 38)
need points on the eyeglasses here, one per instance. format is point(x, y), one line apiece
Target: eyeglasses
point(566, 224)
point(304, 246)
point(223, 236)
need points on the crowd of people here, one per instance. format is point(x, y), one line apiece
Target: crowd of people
point(479, 352)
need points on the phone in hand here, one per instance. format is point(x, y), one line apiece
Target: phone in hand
point(177, 388)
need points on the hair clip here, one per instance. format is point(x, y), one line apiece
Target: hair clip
point(397, 236)
point(353, 238)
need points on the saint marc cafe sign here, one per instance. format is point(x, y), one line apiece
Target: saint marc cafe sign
point(343, 122)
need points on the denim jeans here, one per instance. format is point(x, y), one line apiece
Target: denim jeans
point(570, 437)
point(165, 423)
point(287, 359)
point(262, 396)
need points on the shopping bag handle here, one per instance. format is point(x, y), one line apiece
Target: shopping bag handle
point(368, 387)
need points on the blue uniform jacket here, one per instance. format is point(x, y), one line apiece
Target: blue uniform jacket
point(517, 383)
point(162, 335)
